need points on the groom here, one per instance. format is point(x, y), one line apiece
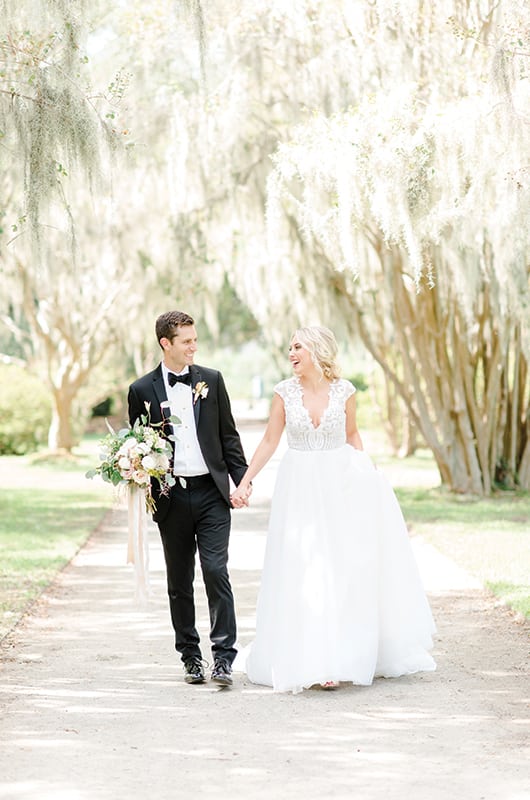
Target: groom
point(196, 513)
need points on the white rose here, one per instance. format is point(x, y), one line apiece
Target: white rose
point(124, 463)
point(162, 463)
point(128, 446)
point(148, 462)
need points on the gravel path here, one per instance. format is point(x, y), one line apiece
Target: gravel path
point(94, 706)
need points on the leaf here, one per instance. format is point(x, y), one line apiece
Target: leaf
point(175, 420)
point(91, 473)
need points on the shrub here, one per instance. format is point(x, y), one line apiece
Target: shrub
point(103, 409)
point(359, 381)
point(25, 411)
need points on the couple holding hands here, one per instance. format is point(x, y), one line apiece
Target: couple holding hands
point(341, 599)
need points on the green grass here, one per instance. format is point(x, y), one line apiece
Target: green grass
point(78, 462)
point(489, 537)
point(517, 597)
point(47, 512)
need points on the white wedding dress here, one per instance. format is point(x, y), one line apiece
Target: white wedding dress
point(341, 598)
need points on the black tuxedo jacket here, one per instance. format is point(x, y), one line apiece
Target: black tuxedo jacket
point(218, 438)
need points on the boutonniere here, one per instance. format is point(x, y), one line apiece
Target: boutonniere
point(201, 390)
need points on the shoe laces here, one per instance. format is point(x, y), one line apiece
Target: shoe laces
point(221, 664)
point(196, 664)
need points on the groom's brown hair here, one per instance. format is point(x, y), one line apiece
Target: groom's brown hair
point(167, 324)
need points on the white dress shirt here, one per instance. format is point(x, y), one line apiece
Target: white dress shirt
point(188, 458)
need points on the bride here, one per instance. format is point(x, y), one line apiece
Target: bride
point(341, 598)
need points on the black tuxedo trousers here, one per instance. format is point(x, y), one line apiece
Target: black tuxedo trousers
point(199, 518)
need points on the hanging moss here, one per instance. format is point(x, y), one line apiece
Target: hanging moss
point(47, 116)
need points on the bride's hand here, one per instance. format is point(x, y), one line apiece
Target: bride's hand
point(239, 497)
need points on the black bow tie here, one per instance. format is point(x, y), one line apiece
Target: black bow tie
point(173, 379)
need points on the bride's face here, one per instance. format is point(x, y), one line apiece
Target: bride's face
point(300, 358)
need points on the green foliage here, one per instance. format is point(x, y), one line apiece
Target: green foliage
point(359, 381)
point(237, 324)
point(505, 479)
point(25, 411)
point(103, 409)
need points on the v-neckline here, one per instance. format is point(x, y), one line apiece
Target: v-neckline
point(325, 410)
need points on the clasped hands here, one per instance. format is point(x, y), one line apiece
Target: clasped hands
point(239, 497)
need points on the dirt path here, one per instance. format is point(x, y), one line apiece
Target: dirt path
point(94, 706)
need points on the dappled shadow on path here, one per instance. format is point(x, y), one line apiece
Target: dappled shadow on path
point(94, 704)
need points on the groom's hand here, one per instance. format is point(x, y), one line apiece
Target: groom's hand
point(239, 498)
point(237, 501)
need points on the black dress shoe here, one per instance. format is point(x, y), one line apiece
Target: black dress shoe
point(222, 672)
point(194, 670)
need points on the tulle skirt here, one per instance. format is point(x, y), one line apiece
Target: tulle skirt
point(341, 598)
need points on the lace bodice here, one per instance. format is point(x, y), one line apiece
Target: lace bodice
point(301, 433)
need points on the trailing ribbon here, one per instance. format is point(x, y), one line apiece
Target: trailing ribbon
point(138, 544)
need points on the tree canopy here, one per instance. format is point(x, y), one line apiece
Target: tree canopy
point(363, 165)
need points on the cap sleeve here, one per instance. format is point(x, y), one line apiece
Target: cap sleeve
point(281, 388)
point(349, 388)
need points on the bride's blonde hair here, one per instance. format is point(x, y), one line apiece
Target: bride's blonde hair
point(321, 345)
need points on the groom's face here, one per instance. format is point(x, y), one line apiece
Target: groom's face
point(179, 352)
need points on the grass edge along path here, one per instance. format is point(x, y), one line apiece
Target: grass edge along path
point(40, 532)
point(48, 510)
point(488, 537)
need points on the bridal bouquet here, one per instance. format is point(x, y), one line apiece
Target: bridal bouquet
point(132, 456)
